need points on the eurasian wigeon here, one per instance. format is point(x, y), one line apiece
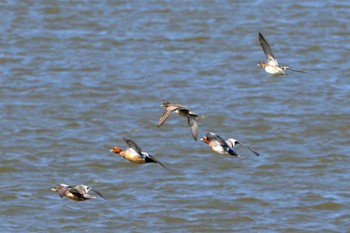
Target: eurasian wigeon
point(271, 66)
point(233, 142)
point(134, 154)
point(182, 111)
point(77, 193)
point(217, 144)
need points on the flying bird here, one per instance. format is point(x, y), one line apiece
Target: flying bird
point(76, 193)
point(182, 111)
point(134, 154)
point(271, 66)
point(217, 144)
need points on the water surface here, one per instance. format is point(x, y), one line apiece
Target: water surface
point(78, 76)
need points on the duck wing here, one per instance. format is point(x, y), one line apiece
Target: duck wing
point(292, 69)
point(249, 148)
point(94, 190)
point(192, 123)
point(271, 60)
point(132, 144)
point(150, 159)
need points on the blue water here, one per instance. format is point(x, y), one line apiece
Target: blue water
point(78, 76)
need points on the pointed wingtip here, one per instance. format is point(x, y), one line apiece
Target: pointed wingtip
point(253, 151)
point(195, 136)
point(100, 194)
point(192, 124)
point(160, 122)
point(163, 166)
point(157, 161)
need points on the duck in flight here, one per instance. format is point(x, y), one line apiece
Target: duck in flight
point(271, 66)
point(182, 111)
point(134, 154)
point(75, 193)
point(219, 145)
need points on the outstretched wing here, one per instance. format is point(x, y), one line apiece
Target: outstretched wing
point(164, 117)
point(94, 190)
point(193, 127)
point(288, 68)
point(132, 144)
point(249, 148)
point(154, 160)
point(267, 50)
point(166, 113)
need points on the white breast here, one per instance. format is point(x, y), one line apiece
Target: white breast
point(219, 149)
point(274, 70)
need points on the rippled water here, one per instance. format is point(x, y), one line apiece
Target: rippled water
point(78, 76)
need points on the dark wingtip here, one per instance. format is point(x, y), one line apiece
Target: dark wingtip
point(100, 194)
point(126, 140)
point(153, 160)
point(163, 166)
point(253, 151)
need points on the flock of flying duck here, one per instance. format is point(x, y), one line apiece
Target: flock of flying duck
point(134, 154)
